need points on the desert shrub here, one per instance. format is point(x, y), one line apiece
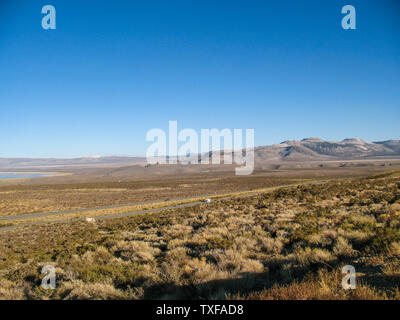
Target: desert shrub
point(136, 251)
point(78, 290)
point(308, 256)
point(10, 290)
point(395, 248)
point(324, 238)
point(324, 285)
point(381, 241)
point(271, 245)
point(343, 249)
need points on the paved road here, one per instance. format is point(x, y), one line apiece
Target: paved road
point(111, 216)
point(222, 196)
point(56, 213)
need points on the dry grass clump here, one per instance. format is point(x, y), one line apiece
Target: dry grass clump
point(78, 290)
point(271, 245)
point(10, 291)
point(395, 249)
point(325, 238)
point(136, 251)
point(307, 256)
point(343, 248)
point(322, 286)
point(392, 269)
point(236, 261)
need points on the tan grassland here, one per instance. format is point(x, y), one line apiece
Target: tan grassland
point(285, 243)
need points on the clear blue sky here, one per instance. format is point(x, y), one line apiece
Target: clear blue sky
point(112, 70)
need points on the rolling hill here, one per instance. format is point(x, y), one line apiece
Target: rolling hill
point(309, 149)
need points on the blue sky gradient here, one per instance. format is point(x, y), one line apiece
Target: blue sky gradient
point(112, 70)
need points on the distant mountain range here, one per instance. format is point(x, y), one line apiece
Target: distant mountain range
point(315, 149)
point(310, 149)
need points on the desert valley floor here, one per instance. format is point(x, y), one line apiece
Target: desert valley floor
point(277, 234)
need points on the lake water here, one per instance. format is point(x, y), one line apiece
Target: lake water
point(6, 175)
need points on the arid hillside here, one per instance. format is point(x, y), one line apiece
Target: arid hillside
point(306, 150)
